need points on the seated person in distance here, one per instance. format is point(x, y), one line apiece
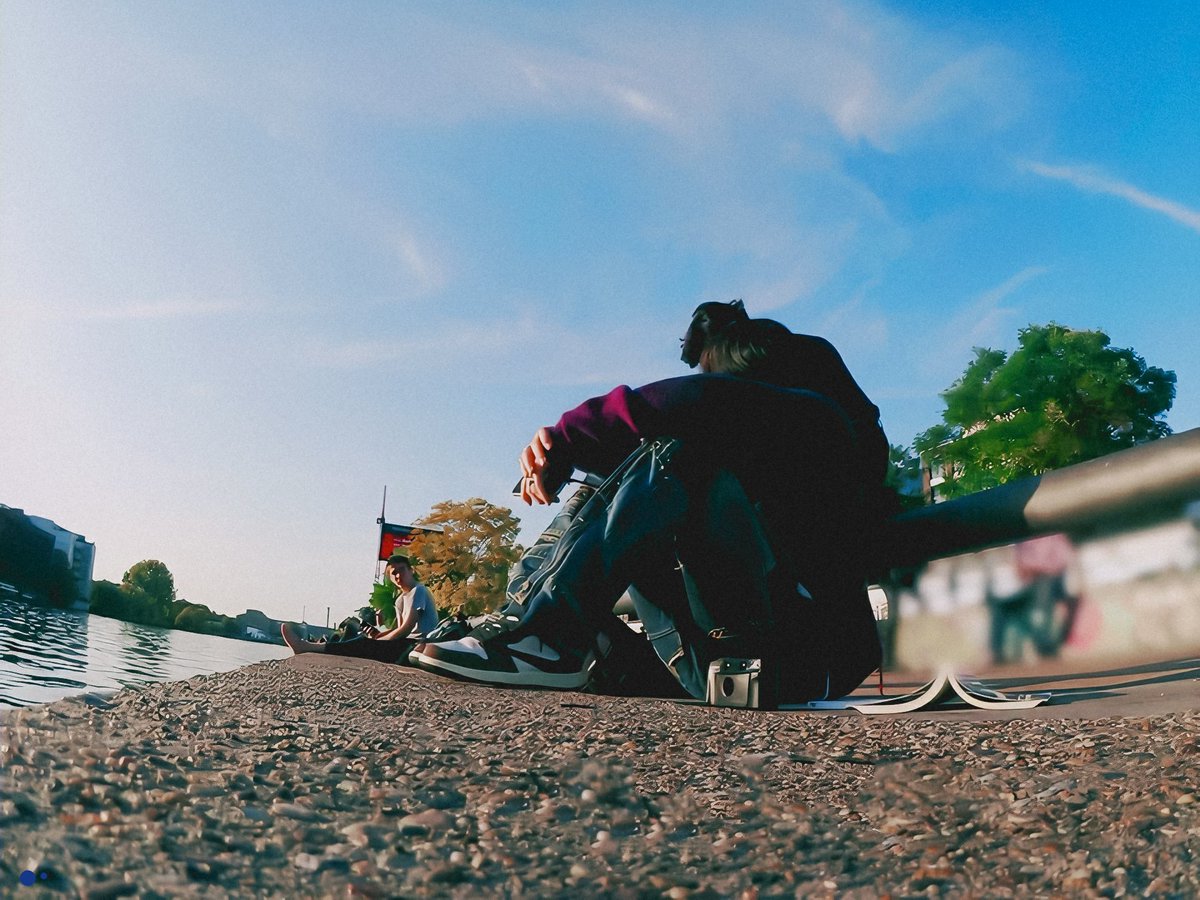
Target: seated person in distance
point(416, 616)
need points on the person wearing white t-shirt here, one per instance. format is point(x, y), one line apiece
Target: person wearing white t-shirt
point(416, 616)
point(416, 613)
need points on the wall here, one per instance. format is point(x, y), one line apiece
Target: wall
point(1128, 594)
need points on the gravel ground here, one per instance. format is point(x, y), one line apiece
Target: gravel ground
point(315, 777)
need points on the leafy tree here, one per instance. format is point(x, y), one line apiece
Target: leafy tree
point(1064, 396)
point(198, 617)
point(467, 563)
point(154, 579)
point(194, 617)
point(108, 600)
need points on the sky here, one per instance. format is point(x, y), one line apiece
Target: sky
point(258, 261)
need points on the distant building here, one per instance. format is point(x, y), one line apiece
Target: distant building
point(258, 626)
point(80, 553)
point(31, 544)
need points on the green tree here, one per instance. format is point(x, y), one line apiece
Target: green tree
point(108, 600)
point(192, 618)
point(199, 618)
point(467, 563)
point(154, 579)
point(1062, 397)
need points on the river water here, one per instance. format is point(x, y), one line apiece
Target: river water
point(47, 654)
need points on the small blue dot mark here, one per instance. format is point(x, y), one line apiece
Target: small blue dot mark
point(28, 878)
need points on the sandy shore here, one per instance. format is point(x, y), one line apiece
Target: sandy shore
point(322, 777)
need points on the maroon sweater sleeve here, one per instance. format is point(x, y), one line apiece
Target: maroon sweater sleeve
point(599, 433)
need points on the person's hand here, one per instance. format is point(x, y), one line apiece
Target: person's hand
point(533, 461)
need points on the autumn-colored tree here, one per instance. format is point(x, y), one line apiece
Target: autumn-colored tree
point(467, 563)
point(1063, 397)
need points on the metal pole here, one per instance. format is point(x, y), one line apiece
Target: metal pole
point(382, 521)
point(1159, 475)
point(327, 617)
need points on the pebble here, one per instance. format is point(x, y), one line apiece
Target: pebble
point(109, 890)
point(428, 821)
point(518, 793)
point(307, 862)
point(296, 811)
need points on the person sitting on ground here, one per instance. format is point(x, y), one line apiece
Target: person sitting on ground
point(738, 520)
point(416, 616)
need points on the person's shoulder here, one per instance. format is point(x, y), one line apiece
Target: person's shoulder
point(813, 342)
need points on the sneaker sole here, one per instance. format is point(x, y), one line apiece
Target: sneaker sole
point(532, 678)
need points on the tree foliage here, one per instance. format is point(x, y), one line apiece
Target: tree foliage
point(198, 618)
point(467, 563)
point(146, 595)
point(383, 601)
point(1062, 397)
point(153, 578)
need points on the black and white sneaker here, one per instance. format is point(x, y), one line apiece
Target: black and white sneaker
point(507, 659)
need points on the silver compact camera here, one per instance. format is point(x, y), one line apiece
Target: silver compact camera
point(734, 682)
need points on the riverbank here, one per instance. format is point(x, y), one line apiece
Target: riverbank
point(321, 777)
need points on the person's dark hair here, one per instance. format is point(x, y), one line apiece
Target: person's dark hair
point(709, 320)
point(397, 559)
point(752, 348)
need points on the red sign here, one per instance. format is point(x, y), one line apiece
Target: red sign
point(394, 537)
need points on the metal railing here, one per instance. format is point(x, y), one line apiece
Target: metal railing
point(1158, 478)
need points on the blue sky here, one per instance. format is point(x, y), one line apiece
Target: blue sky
point(259, 260)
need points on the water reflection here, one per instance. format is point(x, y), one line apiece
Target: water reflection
point(143, 652)
point(53, 639)
point(47, 654)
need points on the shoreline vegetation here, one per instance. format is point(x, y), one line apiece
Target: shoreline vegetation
point(321, 776)
point(123, 602)
point(147, 596)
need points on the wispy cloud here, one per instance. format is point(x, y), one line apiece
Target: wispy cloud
point(977, 323)
point(419, 262)
point(853, 70)
point(1093, 180)
point(527, 346)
